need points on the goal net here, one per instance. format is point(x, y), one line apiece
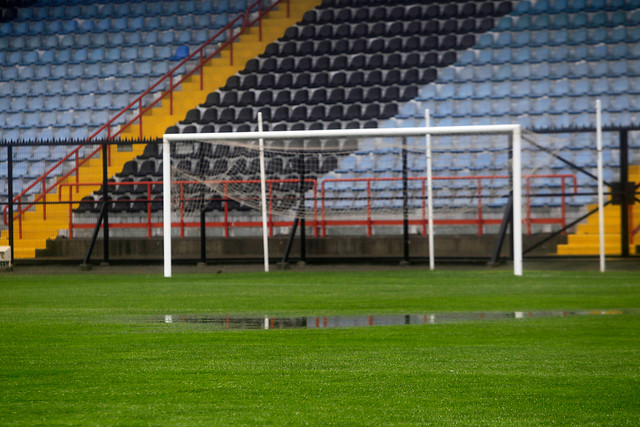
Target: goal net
point(342, 182)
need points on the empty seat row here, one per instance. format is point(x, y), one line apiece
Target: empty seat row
point(569, 21)
point(516, 107)
point(78, 76)
point(323, 95)
point(278, 126)
point(600, 52)
point(624, 89)
point(328, 31)
point(74, 25)
point(386, 29)
point(127, 9)
point(61, 74)
point(590, 58)
point(365, 62)
point(77, 94)
point(44, 134)
point(559, 37)
point(404, 11)
point(56, 118)
point(341, 63)
point(375, 77)
point(85, 56)
point(412, 44)
point(157, 39)
point(352, 47)
point(617, 72)
point(562, 6)
point(304, 113)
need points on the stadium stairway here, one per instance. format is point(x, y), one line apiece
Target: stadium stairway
point(217, 71)
point(35, 228)
point(586, 239)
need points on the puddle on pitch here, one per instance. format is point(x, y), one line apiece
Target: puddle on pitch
point(325, 322)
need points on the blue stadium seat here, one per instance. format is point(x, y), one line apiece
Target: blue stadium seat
point(22, 153)
point(222, 6)
point(37, 169)
point(62, 134)
point(36, 102)
point(220, 21)
point(52, 103)
point(181, 53)
point(80, 134)
point(20, 170)
point(65, 118)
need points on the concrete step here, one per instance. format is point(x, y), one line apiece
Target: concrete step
point(587, 250)
point(609, 228)
point(587, 239)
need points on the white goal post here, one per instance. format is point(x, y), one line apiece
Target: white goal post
point(511, 130)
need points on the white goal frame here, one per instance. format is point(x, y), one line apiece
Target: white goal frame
point(512, 130)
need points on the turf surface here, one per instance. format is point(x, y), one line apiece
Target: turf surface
point(79, 349)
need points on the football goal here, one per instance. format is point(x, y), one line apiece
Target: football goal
point(377, 181)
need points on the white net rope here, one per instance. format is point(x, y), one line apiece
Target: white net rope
point(375, 179)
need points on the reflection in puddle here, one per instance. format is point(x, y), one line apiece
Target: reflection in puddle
point(323, 322)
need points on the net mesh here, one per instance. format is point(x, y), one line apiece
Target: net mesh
point(378, 181)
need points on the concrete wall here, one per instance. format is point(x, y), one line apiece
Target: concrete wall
point(343, 247)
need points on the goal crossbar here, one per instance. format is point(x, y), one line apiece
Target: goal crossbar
point(513, 130)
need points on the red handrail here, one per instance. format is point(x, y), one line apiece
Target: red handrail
point(246, 23)
point(182, 224)
point(320, 221)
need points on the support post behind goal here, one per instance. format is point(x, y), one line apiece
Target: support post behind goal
point(600, 187)
point(429, 193)
point(263, 198)
point(166, 205)
point(517, 201)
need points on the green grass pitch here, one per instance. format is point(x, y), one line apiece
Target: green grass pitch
point(80, 349)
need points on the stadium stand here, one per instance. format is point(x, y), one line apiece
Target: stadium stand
point(345, 64)
point(91, 68)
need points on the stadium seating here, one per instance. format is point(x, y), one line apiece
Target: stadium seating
point(67, 67)
point(346, 64)
point(77, 49)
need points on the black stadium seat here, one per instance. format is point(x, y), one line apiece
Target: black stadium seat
point(284, 81)
point(210, 116)
point(346, 64)
point(192, 116)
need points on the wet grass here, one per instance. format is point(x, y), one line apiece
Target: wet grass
point(77, 350)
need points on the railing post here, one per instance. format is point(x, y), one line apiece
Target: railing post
point(624, 197)
point(270, 209)
point(77, 159)
point(201, 70)
point(171, 93)
point(563, 207)
point(10, 198)
point(140, 113)
point(528, 217)
point(181, 210)
point(44, 200)
point(369, 225)
point(288, 8)
point(148, 209)
point(260, 21)
point(424, 207)
point(480, 220)
point(105, 196)
point(231, 45)
point(70, 212)
point(323, 225)
point(20, 212)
